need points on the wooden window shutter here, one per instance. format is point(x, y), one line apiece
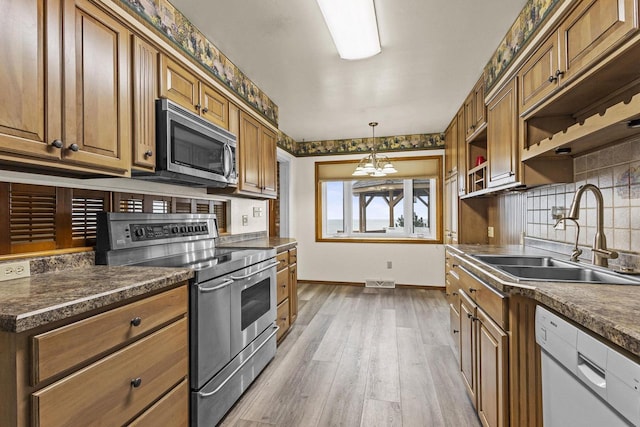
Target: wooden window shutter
point(85, 205)
point(204, 206)
point(127, 202)
point(32, 218)
point(220, 209)
point(182, 205)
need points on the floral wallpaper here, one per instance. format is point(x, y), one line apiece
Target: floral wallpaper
point(430, 141)
point(171, 23)
point(287, 143)
point(526, 24)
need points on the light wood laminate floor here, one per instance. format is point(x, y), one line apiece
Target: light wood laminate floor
point(361, 357)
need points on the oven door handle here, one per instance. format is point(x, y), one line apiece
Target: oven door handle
point(215, 288)
point(254, 273)
point(244, 362)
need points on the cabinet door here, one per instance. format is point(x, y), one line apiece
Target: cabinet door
point(96, 87)
point(451, 147)
point(537, 78)
point(469, 116)
point(461, 153)
point(592, 28)
point(179, 85)
point(30, 99)
point(454, 327)
point(249, 154)
point(502, 135)
point(269, 163)
point(479, 107)
point(492, 373)
point(215, 107)
point(293, 292)
point(468, 346)
point(145, 93)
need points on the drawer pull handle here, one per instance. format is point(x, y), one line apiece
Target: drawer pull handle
point(473, 290)
point(136, 382)
point(136, 321)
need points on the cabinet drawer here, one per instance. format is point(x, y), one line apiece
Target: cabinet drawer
point(170, 411)
point(293, 256)
point(492, 301)
point(103, 393)
point(282, 279)
point(63, 348)
point(283, 318)
point(283, 260)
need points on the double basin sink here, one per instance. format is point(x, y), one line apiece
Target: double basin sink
point(547, 269)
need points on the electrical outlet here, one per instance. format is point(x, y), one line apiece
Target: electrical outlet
point(389, 265)
point(490, 231)
point(14, 270)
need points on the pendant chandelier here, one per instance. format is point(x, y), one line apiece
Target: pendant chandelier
point(374, 164)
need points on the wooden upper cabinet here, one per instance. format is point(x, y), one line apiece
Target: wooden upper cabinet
point(540, 74)
point(451, 148)
point(475, 111)
point(30, 99)
point(145, 93)
point(461, 154)
point(185, 89)
point(249, 153)
point(269, 164)
point(97, 118)
point(215, 107)
point(502, 135)
point(591, 30)
point(257, 162)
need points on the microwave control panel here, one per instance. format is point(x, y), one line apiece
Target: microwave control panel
point(146, 232)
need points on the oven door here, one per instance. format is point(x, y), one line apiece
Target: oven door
point(209, 330)
point(253, 302)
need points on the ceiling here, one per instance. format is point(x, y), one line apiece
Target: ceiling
point(432, 54)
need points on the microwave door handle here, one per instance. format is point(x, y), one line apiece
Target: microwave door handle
point(215, 288)
point(254, 273)
point(226, 161)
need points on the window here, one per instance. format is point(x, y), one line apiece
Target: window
point(400, 207)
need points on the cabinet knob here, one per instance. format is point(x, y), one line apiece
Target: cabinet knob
point(473, 290)
point(454, 294)
point(553, 79)
point(558, 74)
point(136, 321)
point(198, 106)
point(455, 331)
point(205, 110)
point(56, 143)
point(454, 265)
point(148, 153)
point(136, 382)
point(74, 147)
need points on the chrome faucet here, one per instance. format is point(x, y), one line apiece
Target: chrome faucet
point(599, 252)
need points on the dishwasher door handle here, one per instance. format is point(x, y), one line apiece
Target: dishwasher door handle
point(592, 373)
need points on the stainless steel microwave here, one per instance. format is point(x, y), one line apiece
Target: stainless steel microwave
point(191, 150)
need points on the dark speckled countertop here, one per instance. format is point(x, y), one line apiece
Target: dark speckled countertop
point(610, 311)
point(53, 293)
point(280, 244)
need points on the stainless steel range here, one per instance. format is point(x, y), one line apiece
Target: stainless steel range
point(232, 314)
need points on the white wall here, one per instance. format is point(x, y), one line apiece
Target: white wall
point(413, 264)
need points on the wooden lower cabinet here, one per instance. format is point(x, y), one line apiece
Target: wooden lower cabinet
point(287, 290)
point(131, 366)
point(493, 335)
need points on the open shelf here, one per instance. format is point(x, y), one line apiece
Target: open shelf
point(477, 178)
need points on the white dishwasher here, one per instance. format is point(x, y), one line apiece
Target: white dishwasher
point(585, 383)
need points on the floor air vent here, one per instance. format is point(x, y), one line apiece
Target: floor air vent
point(370, 283)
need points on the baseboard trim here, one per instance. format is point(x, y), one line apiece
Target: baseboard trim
point(361, 285)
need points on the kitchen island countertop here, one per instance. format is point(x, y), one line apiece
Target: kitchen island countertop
point(610, 311)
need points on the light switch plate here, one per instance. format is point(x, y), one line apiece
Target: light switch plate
point(490, 231)
point(245, 219)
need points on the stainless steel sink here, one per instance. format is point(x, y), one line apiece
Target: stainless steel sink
point(566, 274)
point(537, 261)
point(547, 269)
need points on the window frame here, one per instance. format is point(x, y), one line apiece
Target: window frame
point(320, 201)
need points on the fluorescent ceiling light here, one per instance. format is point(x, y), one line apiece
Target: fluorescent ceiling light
point(353, 27)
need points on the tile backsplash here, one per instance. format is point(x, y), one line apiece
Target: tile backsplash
point(616, 171)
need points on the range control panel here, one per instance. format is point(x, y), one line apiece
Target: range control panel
point(146, 232)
